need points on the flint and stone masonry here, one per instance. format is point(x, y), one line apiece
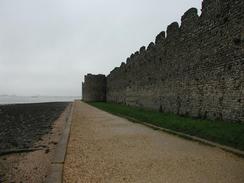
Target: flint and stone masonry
point(94, 88)
point(194, 69)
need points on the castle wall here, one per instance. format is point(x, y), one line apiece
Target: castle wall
point(94, 88)
point(194, 69)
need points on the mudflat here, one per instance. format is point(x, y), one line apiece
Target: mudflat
point(23, 124)
point(107, 148)
point(28, 136)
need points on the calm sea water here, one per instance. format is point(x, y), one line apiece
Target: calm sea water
point(35, 99)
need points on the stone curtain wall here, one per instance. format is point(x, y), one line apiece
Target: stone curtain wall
point(196, 70)
point(94, 88)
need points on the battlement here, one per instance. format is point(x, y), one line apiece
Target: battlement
point(189, 20)
point(173, 30)
point(160, 37)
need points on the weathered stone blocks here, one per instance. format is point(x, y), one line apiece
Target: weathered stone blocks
point(94, 88)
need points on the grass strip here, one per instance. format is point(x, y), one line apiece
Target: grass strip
point(225, 133)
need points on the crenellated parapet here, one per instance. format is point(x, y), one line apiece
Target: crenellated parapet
point(173, 30)
point(160, 38)
point(189, 20)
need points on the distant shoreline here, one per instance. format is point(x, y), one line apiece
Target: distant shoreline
point(53, 102)
point(4, 100)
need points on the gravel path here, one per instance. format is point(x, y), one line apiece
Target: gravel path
point(107, 148)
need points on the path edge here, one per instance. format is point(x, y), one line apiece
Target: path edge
point(197, 139)
point(57, 164)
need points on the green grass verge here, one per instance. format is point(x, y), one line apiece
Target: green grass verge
point(230, 134)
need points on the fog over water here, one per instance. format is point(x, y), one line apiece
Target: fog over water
point(35, 99)
point(47, 46)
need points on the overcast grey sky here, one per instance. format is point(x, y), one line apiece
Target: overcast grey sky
point(47, 46)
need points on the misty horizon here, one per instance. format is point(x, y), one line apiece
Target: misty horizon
point(46, 47)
